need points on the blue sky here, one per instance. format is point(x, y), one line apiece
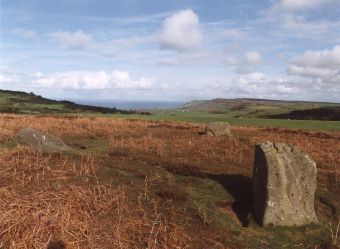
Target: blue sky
point(172, 50)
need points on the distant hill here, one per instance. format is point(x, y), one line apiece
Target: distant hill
point(323, 113)
point(264, 108)
point(30, 103)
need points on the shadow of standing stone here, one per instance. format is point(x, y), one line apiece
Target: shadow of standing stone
point(241, 189)
point(284, 183)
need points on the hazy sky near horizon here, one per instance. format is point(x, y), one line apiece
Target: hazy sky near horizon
point(172, 49)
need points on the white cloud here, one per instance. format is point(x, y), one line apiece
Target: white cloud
point(310, 71)
point(322, 59)
point(253, 85)
point(315, 29)
point(92, 80)
point(25, 33)
point(181, 31)
point(323, 65)
point(252, 57)
point(300, 4)
point(286, 89)
point(78, 40)
point(8, 76)
point(298, 19)
point(6, 79)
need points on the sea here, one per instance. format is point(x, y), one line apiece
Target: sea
point(130, 104)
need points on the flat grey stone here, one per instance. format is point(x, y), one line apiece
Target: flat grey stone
point(217, 129)
point(43, 142)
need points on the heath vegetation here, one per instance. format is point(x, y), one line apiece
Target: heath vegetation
point(151, 184)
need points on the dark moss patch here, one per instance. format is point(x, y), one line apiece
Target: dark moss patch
point(174, 193)
point(56, 244)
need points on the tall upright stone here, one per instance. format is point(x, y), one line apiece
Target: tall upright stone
point(284, 182)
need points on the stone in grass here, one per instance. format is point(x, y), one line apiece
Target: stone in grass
point(43, 142)
point(284, 182)
point(217, 129)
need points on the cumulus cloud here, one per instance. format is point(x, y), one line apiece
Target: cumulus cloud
point(76, 40)
point(181, 31)
point(262, 85)
point(25, 33)
point(252, 57)
point(322, 66)
point(255, 85)
point(93, 80)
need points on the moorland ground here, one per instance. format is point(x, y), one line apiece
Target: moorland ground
point(201, 117)
point(150, 184)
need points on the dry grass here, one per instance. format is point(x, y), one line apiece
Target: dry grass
point(178, 139)
point(46, 203)
point(40, 204)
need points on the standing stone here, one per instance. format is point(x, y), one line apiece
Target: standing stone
point(43, 142)
point(217, 129)
point(284, 181)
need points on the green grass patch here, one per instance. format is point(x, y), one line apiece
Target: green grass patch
point(43, 106)
point(286, 237)
point(207, 198)
point(95, 145)
point(11, 143)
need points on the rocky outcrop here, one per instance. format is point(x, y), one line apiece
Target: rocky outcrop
point(217, 129)
point(43, 142)
point(284, 182)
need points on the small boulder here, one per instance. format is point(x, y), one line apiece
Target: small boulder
point(217, 129)
point(284, 182)
point(43, 142)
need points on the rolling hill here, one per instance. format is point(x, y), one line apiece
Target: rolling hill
point(263, 108)
point(30, 103)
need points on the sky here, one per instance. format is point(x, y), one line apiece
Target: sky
point(171, 50)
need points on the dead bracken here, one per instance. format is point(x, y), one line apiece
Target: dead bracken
point(143, 184)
